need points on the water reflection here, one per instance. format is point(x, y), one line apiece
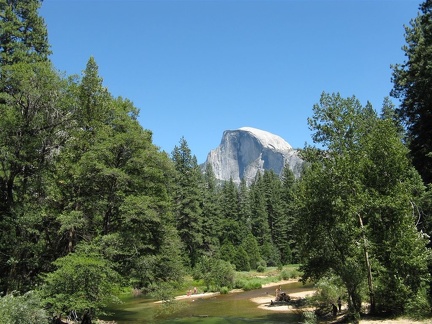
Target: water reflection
point(230, 308)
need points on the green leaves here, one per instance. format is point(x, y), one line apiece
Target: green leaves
point(23, 309)
point(355, 200)
point(81, 281)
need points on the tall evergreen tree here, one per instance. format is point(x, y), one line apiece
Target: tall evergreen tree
point(188, 213)
point(244, 215)
point(112, 187)
point(211, 212)
point(23, 34)
point(260, 222)
point(275, 214)
point(289, 252)
point(230, 229)
point(413, 86)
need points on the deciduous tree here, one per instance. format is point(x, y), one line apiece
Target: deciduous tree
point(354, 199)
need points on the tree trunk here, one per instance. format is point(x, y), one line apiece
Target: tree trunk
point(71, 239)
point(369, 270)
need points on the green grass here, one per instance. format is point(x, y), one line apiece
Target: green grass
point(243, 280)
point(254, 279)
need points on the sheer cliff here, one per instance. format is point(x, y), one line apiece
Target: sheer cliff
point(245, 151)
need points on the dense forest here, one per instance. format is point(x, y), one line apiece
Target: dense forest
point(89, 204)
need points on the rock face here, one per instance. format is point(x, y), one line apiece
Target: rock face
point(245, 151)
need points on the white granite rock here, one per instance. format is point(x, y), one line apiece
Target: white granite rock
point(245, 151)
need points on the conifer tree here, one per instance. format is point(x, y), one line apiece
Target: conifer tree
point(289, 252)
point(413, 86)
point(187, 200)
point(23, 34)
point(230, 230)
point(211, 212)
point(260, 223)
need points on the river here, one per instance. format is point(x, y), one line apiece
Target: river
point(230, 308)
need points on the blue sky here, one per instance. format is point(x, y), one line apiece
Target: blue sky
point(197, 68)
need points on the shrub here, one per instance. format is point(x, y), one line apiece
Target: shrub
point(215, 272)
point(81, 281)
point(239, 283)
point(241, 260)
point(285, 274)
point(251, 285)
point(261, 266)
point(22, 309)
point(418, 307)
point(224, 290)
point(289, 274)
point(309, 318)
point(328, 291)
point(163, 291)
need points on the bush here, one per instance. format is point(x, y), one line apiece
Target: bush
point(22, 309)
point(329, 289)
point(261, 266)
point(309, 318)
point(239, 283)
point(163, 291)
point(289, 274)
point(241, 260)
point(215, 273)
point(418, 307)
point(285, 274)
point(224, 290)
point(251, 285)
point(81, 281)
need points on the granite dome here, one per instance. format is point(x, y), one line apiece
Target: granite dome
point(245, 151)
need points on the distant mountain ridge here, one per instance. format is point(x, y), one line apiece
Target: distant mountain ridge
point(245, 151)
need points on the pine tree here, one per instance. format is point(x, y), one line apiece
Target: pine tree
point(230, 226)
point(211, 212)
point(23, 34)
point(188, 199)
point(413, 86)
point(260, 222)
point(289, 252)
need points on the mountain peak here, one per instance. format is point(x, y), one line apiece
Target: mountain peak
point(245, 151)
point(268, 139)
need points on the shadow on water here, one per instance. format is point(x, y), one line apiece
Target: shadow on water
point(230, 308)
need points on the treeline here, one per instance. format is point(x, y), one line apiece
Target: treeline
point(88, 201)
point(89, 204)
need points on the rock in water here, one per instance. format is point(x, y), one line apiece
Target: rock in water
point(245, 151)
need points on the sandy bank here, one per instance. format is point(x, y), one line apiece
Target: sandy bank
point(264, 302)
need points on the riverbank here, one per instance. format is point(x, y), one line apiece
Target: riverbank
point(212, 294)
point(265, 302)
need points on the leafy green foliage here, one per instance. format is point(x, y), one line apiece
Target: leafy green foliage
point(216, 273)
point(353, 202)
point(81, 281)
point(22, 309)
point(250, 245)
point(33, 123)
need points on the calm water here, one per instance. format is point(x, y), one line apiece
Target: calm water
point(230, 308)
